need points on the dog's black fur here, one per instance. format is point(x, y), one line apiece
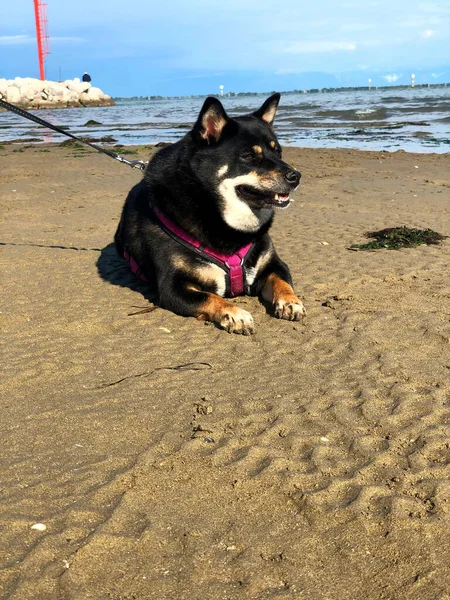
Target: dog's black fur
point(220, 183)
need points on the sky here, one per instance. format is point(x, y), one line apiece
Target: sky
point(184, 47)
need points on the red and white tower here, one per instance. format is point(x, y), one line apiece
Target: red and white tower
point(40, 12)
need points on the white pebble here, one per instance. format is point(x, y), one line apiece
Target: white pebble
point(324, 439)
point(39, 527)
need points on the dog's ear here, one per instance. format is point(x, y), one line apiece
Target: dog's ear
point(211, 121)
point(268, 110)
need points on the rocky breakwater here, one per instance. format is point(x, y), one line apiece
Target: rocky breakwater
point(33, 93)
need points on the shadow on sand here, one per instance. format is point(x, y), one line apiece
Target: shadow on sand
point(116, 270)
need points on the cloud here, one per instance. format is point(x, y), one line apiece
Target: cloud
point(67, 39)
point(435, 7)
point(355, 27)
point(18, 40)
point(437, 75)
point(15, 40)
point(428, 33)
point(391, 78)
point(316, 47)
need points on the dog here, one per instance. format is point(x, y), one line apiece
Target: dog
point(196, 226)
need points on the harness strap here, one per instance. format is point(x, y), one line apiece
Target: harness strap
point(135, 268)
point(232, 264)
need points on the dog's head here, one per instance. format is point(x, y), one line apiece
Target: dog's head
point(241, 158)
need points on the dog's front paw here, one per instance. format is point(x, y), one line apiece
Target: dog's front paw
point(237, 320)
point(290, 310)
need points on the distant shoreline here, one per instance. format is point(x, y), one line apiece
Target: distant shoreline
point(296, 91)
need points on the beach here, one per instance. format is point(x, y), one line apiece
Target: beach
point(166, 459)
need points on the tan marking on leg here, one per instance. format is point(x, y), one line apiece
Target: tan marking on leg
point(226, 315)
point(286, 304)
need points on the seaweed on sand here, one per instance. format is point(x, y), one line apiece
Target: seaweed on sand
point(395, 238)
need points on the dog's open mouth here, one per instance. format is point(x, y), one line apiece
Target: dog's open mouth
point(261, 197)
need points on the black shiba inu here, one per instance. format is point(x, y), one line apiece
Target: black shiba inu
point(197, 225)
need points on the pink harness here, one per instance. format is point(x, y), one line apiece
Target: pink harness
point(232, 264)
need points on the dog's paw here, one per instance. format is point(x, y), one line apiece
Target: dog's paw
point(290, 310)
point(237, 320)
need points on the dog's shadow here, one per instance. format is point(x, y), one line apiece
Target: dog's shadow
point(116, 270)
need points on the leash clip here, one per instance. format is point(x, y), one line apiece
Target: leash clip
point(134, 164)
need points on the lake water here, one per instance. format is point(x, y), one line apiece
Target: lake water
point(411, 119)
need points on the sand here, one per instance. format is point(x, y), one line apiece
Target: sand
point(308, 461)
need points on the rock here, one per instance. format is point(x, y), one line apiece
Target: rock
point(84, 98)
point(30, 93)
point(13, 95)
point(77, 86)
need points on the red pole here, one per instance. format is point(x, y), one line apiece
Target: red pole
point(39, 40)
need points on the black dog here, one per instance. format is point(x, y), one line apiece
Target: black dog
point(196, 227)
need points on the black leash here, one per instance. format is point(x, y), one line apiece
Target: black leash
point(135, 164)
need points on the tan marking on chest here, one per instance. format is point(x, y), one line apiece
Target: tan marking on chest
point(212, 274)
point(205, 274)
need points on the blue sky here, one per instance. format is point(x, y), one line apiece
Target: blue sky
point(183, 47)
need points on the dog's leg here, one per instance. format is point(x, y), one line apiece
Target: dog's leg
point(280, 293)
point(193, 302)
point(228, 316)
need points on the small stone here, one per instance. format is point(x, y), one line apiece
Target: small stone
point(39, 527)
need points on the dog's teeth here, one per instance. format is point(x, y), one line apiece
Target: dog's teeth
point(276, 196)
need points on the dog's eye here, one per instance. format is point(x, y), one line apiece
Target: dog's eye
point(247, 156)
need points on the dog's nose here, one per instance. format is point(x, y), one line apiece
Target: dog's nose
point(293, 177)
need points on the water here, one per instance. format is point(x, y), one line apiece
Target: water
point(415, 120)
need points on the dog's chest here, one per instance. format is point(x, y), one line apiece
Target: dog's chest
point(213, 277)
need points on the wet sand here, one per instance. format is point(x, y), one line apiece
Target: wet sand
point(308, 461)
